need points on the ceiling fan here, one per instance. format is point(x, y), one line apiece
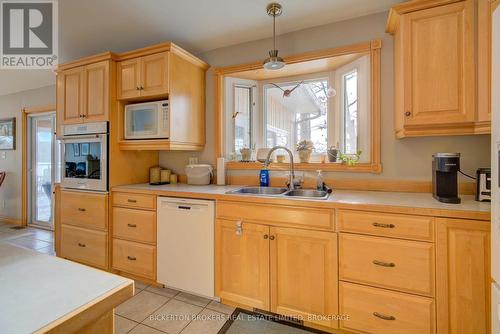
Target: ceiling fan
point(288, 92)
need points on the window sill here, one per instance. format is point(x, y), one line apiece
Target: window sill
point(331, 166)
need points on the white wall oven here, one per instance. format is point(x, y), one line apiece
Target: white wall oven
point(85, 156)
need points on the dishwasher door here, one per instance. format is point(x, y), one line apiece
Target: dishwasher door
point(185, 245)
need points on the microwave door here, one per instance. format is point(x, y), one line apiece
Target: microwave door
point(142, 122)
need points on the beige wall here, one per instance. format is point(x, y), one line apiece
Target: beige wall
point(401, 159)
point(11, 106)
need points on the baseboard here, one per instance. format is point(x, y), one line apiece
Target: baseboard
point(9, 220)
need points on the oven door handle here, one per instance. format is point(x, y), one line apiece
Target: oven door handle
point(79, 137)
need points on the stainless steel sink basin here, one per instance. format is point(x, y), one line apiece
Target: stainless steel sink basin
point(281, 192)
point(307, 193)
point(266, 191)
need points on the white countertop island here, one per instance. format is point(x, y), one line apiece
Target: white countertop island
point(45, 294)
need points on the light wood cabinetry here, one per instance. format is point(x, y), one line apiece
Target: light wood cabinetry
point(304, 275)
point(165, 71)
point(242, 263)
point(134, 235)
point(83, 93)
point(463, 276)
point(380, 311)
point(82, 225)
point(389, 263)
point(285, 270)
point(436, 76)
point(143, 76)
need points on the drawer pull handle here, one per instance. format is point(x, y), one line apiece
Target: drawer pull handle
point(82, 209)
point(384, 317)
point(132, 200)
point(131, 258)
point(81, 245)
point(131, 225)
point(384, 225)
point(383, 264)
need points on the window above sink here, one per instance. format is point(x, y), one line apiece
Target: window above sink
point(330, 98)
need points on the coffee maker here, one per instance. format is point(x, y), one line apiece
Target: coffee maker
point(445, 167)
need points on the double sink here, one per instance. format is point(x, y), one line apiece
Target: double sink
point(281, 192)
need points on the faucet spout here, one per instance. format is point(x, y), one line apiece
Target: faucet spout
point(291, 184)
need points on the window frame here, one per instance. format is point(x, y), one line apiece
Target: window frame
point(373, 165)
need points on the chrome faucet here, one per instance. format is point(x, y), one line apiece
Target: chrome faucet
point(291, 182)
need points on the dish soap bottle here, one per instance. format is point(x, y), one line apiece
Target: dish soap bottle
point(264, 177)
point(319, 181)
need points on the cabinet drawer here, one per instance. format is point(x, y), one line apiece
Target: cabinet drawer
point(84, 209)
point(387, 225)
point(396, 264)
point(135, 225)
point(82, 245)
point(134, 258)
point(277, 214)
point(131, 200)
point(379, 311)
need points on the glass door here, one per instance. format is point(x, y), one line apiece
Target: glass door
point(42, 169)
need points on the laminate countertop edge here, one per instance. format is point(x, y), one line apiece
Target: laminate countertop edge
point(390, 202)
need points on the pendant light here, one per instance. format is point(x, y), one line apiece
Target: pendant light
point(274, 62)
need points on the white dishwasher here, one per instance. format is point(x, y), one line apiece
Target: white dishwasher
point(185, 244)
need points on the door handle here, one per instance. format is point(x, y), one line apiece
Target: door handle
point(383, 316)
point(383, 225)
point(383, 264)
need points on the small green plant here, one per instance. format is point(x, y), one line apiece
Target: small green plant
point(350, 159)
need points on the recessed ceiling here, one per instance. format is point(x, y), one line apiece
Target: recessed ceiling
point(92, 26)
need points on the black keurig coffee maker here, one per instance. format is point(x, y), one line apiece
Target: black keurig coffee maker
point(445, 167)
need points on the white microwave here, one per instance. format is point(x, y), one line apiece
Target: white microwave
point(149, 120)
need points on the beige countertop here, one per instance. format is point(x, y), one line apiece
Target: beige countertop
point(39, 291)
point(415, 203)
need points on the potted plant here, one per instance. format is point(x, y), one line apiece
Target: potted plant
point(332, 153)
point(305, 148)
point(350, 159)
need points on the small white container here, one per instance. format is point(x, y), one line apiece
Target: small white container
point(199, 174)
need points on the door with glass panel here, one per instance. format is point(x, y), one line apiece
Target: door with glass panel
point(42, 169)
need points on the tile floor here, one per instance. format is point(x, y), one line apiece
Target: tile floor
point(152, 310)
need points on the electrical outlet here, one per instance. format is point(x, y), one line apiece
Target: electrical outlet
point(3, 155)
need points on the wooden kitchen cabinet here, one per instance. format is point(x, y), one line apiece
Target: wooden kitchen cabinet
point(83, 93)
point(242, 263)
point(436, 78)
point(143, 77)
point(304, 275)
point(463, 276)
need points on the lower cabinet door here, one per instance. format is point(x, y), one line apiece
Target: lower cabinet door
point(134, 258)
point(85, 246)
point(379, 311)
point(242, 263)
point(304, 280)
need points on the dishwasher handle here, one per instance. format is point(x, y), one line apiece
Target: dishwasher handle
point(184, 207)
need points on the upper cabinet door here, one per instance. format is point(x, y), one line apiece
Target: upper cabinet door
point(242, 263)
point(154, 74)
point(129, 78)
point(97, 92)
point(70, 96)
point(439, 69)
point(304, 281)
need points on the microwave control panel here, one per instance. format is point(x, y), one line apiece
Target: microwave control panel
point(165, 115)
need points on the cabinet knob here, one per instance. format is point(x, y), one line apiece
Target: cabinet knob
point(266, 236)
point(138, 88)
point(131, 258)
point(408, 113)
point(383, 264)
point(383, 316)
point(141, 88)
point(81, 245)
point(271, 237)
